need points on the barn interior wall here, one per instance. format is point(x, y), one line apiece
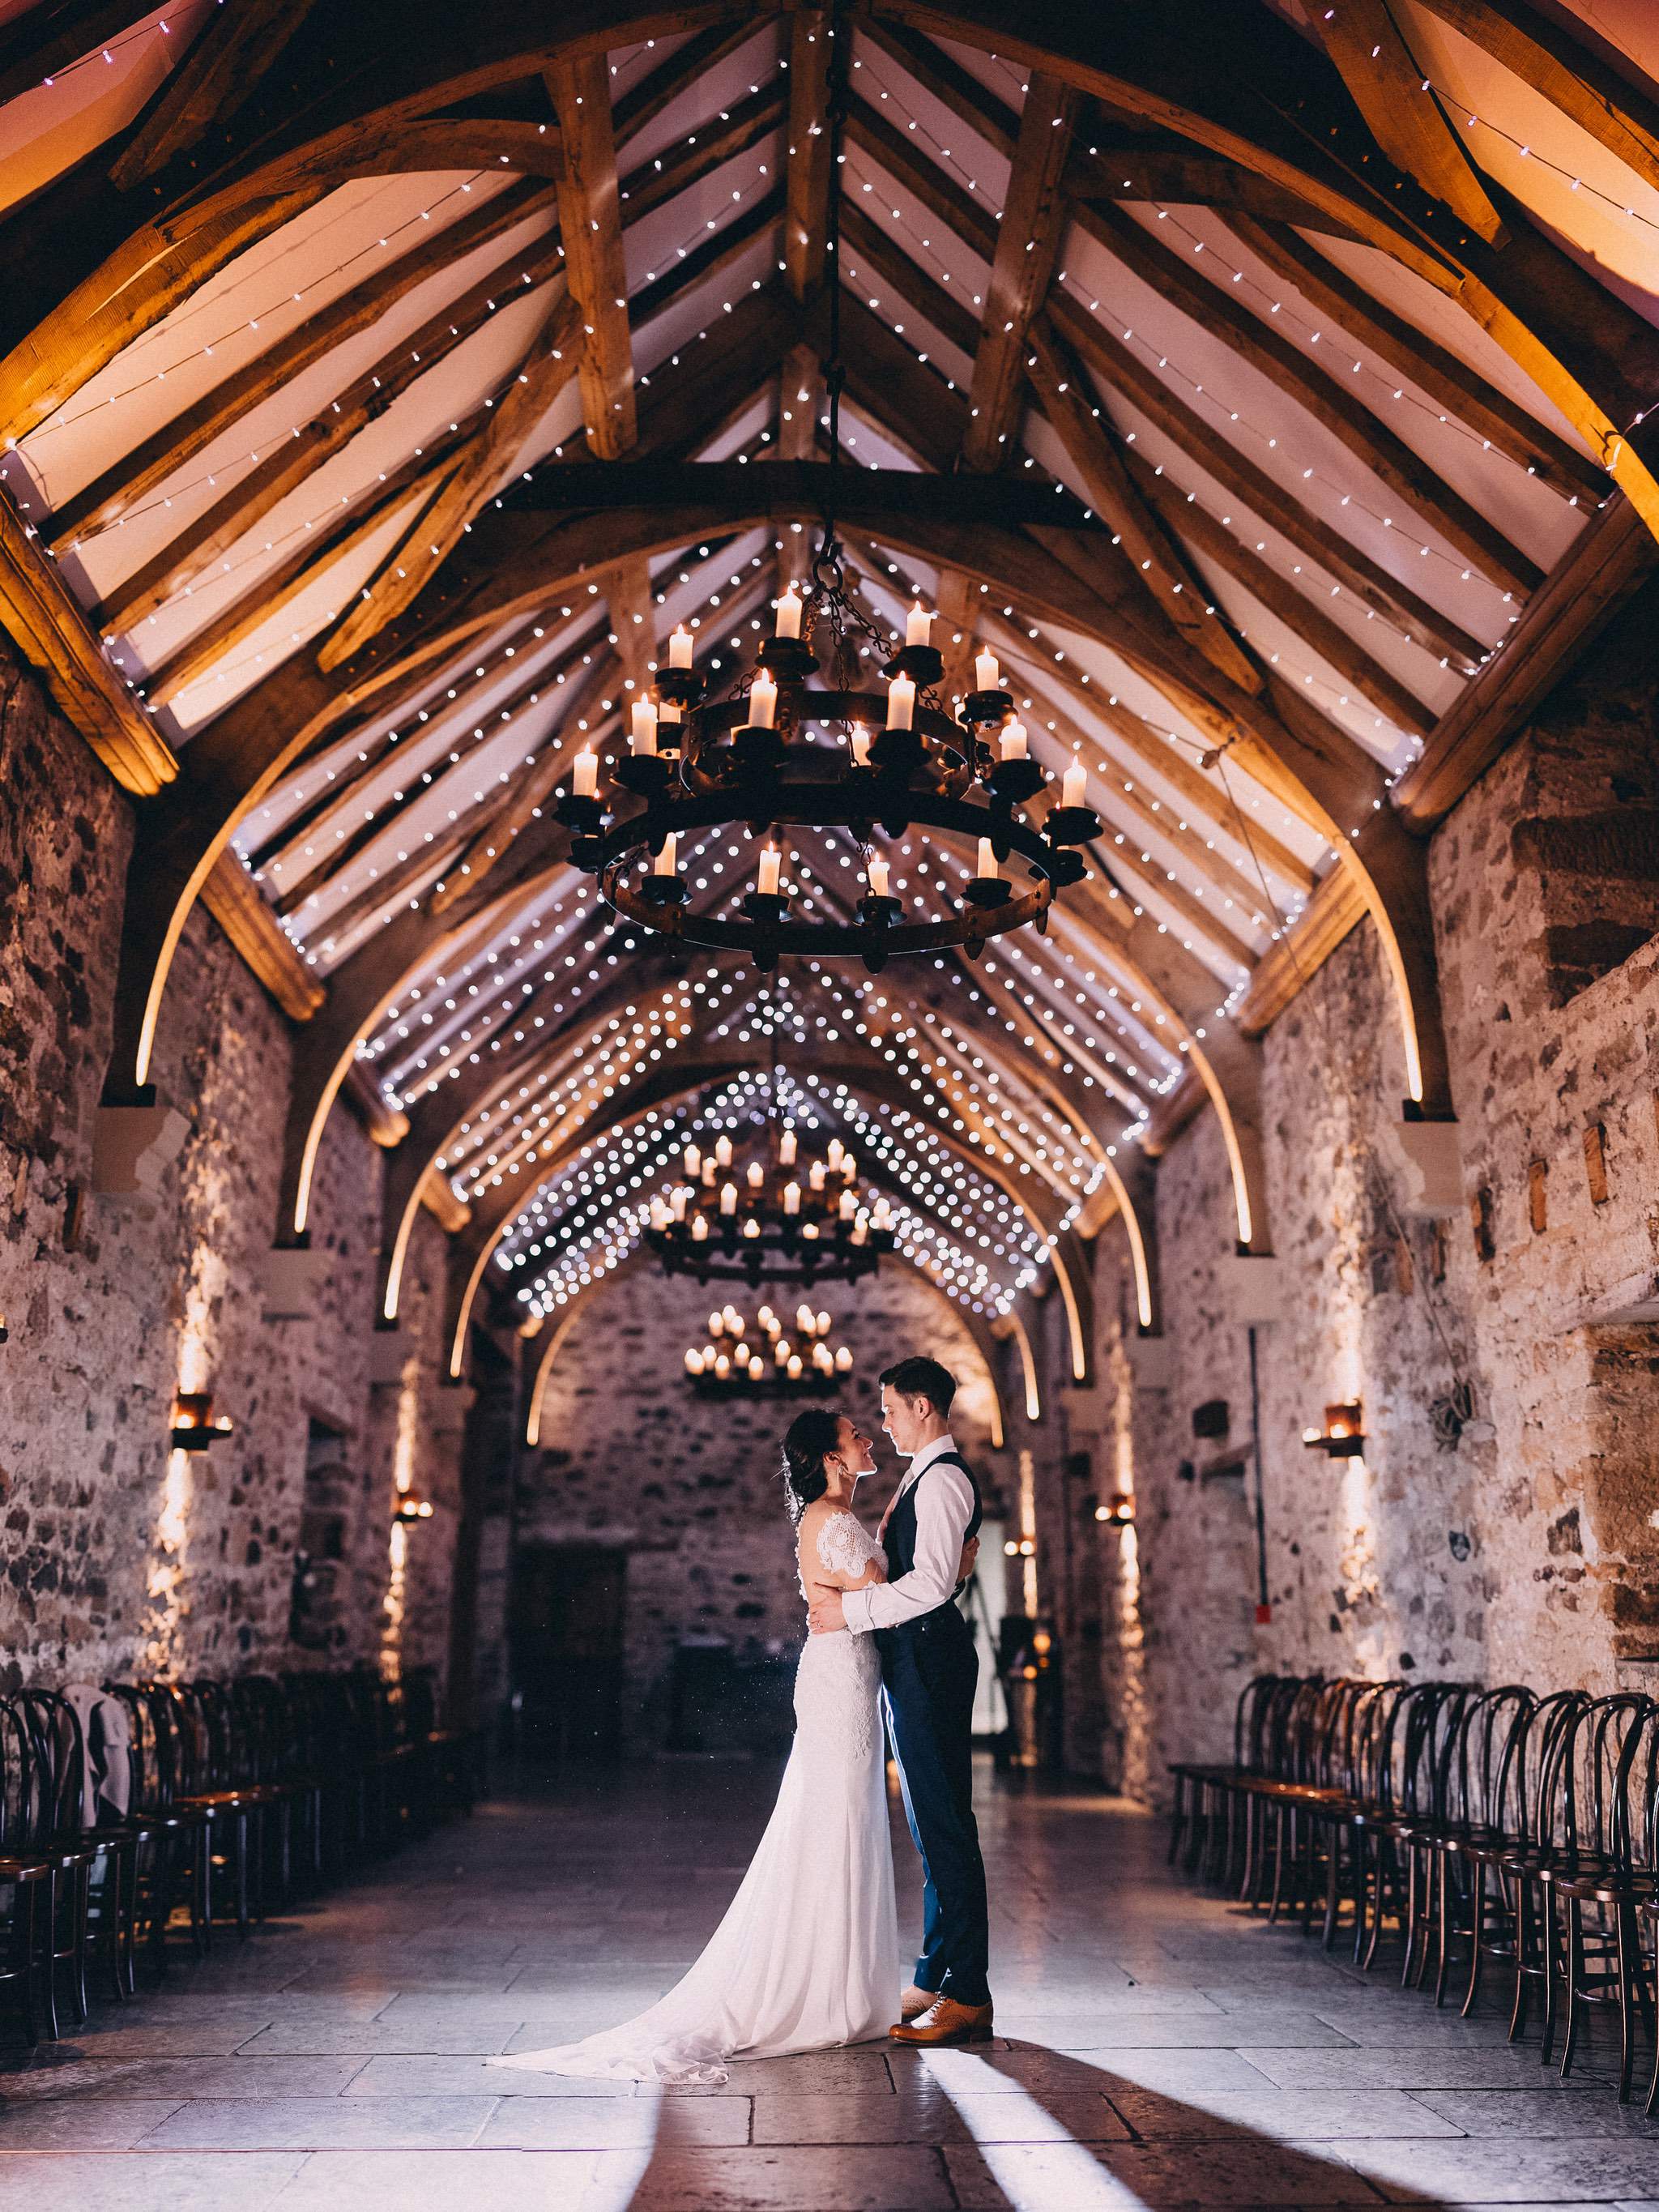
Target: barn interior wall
point(1526, 1549)
point(118, 1555)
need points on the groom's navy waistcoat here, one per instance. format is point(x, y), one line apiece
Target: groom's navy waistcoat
point(899, 1541)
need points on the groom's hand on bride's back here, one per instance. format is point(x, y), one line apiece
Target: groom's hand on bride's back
point(826, 1614)
point(969, 1553)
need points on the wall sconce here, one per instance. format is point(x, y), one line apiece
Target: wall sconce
point(1343, 1436)
point(1118, 1512)
point(1021, 1549)
point(5, 1333)
point(194, 1427)
point(410, 1509)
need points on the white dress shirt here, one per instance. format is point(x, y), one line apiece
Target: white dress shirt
point(942, 1512)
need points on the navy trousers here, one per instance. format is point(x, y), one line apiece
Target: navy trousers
point(929, 1669)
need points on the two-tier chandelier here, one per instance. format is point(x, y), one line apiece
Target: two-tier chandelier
point(737, 1360)
point(772, 1213)
point(775, 754)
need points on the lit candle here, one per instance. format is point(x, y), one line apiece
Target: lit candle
point(780, 1351)
point(918, 625)
point(728, 1198)
point(663, 863)
point(585, 773)
point(815, 1175)
point(843, 1359)
point(849, 1204)
point(794, 1370)
point(763, 701)
point(694, 1362)
point(717, 1324)
point(679, 647)
point(756, 1175)
point(693, 1162)
point(823, 1324)
point(833, 1158)
point(787, 1145)
point(1073, 785)
point(849, 1166)
point(770, 861)
point(901, 702)
point(699, 1229)
point(1013, 740)
point(860, 737)
point(660, 1214)
point(723, 1150)
point(722, 1367)
point(708, 1175)
point(644, 737)
point(751, 1227)
point(988, 858)
point(882, 1215)
point(987, 677)
point(861, 1229)
point(810, 1229)
point(789, 610)
point(682, 1199)
point(803, 1319)
point(756, 1369)
point(768, 1321)
point(877, 872)
point(792, 1198)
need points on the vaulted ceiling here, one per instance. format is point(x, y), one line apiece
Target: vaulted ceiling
point(1263, 384)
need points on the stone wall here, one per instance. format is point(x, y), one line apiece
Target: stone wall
point(118, 1555)
point(1527, 1549)
point(630, 1458)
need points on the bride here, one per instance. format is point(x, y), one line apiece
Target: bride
point(808, 1955)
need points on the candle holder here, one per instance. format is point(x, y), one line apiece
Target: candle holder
point(647, 774)
point(897, 752)
point(410, 1509)
point(766, 908)
point(681, 687)
point(756, 750)
point(989, 892)
point(981, 707)
point(663, 890)
point(791, 659)
point(1071, 825)
point(1011, 782)
point(1343, 1436)
point(583, 816)
point(923, 664)
point(880, 911)
point(194, 1425)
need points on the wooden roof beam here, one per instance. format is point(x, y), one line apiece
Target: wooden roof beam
point(1027, 254)
point(218, 73)
point(810, 182)
point(1363, 38)
point(1092, 448)
point(590, 223)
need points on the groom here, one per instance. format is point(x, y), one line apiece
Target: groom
point(929, 1669)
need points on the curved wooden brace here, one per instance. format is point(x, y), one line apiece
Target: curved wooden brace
point(983, 1344)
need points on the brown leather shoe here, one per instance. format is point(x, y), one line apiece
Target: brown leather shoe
point(916, 2000)
point(945, 2021)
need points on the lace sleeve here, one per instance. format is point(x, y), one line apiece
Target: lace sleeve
point(845, 1546)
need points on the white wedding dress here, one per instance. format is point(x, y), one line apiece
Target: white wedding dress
point(808, 1953)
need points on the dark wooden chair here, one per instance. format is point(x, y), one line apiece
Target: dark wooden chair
point(25, 1874)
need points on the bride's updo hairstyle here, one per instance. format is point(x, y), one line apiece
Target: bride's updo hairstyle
point(810, 1435)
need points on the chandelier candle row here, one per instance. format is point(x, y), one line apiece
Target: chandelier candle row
point(736, 1358)
point(834, 763)
point(775, 1214)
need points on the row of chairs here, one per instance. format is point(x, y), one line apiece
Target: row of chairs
point(1492, 1830)
point(227, 1801)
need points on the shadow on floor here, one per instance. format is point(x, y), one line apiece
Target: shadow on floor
point(1026, 2128)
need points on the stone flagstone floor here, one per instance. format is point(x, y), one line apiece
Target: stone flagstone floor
point(1157, 2048)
